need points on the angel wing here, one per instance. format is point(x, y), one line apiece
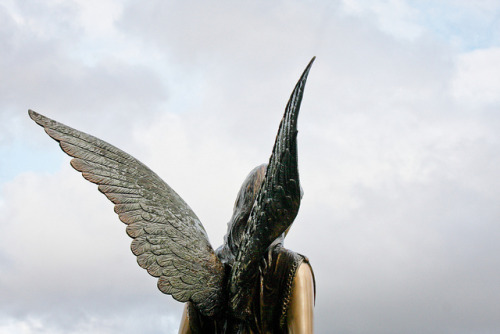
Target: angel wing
point(275, 208)
point(169, 240)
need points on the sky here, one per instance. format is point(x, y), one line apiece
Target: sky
point(399, 152)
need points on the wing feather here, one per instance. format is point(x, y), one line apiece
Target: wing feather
point(168, 239)
point(275, 208)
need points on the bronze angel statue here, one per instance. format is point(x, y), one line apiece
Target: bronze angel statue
point(251, 284)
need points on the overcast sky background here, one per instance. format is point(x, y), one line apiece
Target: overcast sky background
point(399, 152)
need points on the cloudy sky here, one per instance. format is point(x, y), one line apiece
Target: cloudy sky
point(399, 151)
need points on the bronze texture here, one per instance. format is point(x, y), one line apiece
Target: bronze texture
point(251, 284)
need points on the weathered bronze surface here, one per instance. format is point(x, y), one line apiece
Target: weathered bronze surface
point(251, 284)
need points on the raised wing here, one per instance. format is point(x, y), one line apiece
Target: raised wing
point(169, 240)
point(275, 208)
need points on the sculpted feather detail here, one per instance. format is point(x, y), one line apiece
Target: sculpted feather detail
point(169, 240)
point(275, 208)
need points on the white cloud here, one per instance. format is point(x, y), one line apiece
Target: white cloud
point(396, 17)
point(477, 80)
point(67, 267)
point(398, 143)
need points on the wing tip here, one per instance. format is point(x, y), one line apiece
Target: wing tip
point(34, 115)
point(39, 118)
point(310, 63)
point(304, 75)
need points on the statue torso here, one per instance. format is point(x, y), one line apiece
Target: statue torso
point(272, 293)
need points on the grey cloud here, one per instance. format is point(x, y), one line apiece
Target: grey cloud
point(68, 266)
point(42, 70)
point(421, 260)
point(399, 216)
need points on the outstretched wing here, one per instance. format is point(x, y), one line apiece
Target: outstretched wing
point(275, 208)
point(169, 240)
